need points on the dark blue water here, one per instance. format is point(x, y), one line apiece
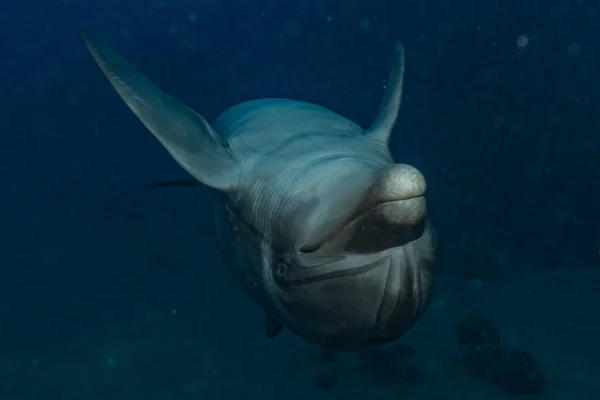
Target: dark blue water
point(111, 291)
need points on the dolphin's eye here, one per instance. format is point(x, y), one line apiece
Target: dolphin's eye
point(281, 272)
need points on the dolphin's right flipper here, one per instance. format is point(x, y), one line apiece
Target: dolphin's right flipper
point(181, 183)
point(185, 134)
point(385, 120)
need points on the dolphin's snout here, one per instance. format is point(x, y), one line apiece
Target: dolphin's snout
point(399, 182)
point(401, 213)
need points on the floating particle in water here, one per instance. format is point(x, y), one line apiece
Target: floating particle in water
point(189, 45)
point(446, 29)
point(110, 362)
point(522, 41)
point(365, 23)
point(293, 28)
point(193, 18)
point(173, 30)
point(499, 120)
point(574, 49)
point(476, 283)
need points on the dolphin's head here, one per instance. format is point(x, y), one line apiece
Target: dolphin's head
point(363, 271)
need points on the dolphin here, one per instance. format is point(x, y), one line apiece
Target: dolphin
point(317, 223)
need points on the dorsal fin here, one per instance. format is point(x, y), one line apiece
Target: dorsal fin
point(382, 127)
point(185, 134)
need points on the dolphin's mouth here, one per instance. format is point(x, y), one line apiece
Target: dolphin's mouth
point(382, 226)
point(402, 211)
point(360, 245)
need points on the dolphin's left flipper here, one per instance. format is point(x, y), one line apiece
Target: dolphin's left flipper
point(184, 133)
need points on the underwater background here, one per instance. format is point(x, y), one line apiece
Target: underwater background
point(110, 290)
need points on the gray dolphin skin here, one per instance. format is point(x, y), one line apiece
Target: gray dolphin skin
point(317, 223)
